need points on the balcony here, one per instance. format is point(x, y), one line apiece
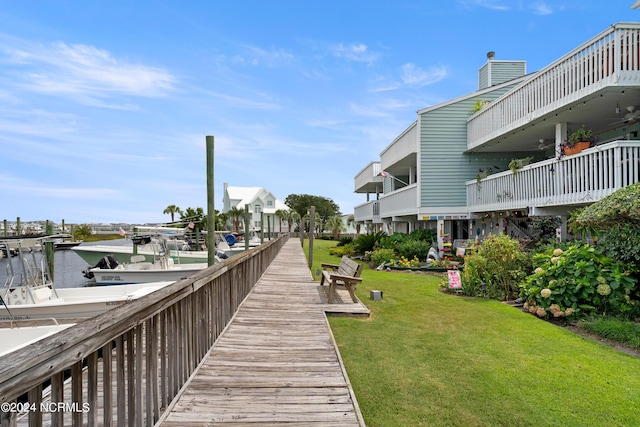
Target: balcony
point(580, 179)
point(402, 202)
point(581, 87)
point(368, 213)
point(402, 152)
point(368, 179)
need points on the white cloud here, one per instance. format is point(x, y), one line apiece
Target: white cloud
point(541, 8)
point(488, 4)
point(82, 72)
point(415, 76)
point(411, 76)
point(256, 56)
point(354, 52)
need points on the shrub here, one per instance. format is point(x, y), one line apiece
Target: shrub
point(367, 242)
point(339, 251)
point(406, 262)
point(414, 249)
point(428, 235)
point(345, 240)
point(382, 256)
point(499, 262)
point(576, 281)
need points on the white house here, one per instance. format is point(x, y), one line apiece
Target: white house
point(430, 175)
point(262, 207)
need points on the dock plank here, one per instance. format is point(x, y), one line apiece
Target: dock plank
point(276, 363)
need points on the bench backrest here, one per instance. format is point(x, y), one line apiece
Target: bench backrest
point(349, 267)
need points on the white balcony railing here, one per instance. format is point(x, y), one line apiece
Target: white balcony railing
point(611, 58)
point(401, 202)
point(574, 180)
point(367, 212)
point(369, 175)
point(401, 148)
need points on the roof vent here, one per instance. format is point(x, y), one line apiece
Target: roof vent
point(491, 55)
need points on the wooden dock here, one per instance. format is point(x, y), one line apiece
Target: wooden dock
point(276, 363)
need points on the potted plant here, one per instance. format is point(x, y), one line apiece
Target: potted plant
point(579, 140)
point(517, 164)
point(483, 173)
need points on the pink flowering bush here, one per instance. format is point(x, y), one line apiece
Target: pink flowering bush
point(579, 280)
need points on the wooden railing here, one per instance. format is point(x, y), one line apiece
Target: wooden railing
point(610, 58)
point(573, 180)
point(126, 366)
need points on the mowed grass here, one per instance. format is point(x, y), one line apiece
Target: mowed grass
point(425, 358)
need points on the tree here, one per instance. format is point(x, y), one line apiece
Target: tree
point(336, 226)
point(221, 220)
point(82, 231)
point(325, 208)
point(172, 210)
point(287, 215)
point(236, 215)
point(616, 220)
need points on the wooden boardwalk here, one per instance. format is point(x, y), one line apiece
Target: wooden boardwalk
point(277, 362)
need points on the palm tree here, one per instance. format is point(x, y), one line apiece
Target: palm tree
point(351, 220)
point(172, 210)
point(287, 215)
point(336, 226)
point(236, 216)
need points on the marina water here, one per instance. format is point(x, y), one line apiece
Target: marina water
point(68, 266)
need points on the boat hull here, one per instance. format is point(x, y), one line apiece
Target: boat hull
point(12, 339)
point(94, 253)
point(119, 276)
point(72, 303)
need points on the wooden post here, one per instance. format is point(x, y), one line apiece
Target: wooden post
point(135, 247)
point(261, 227)
point(269, 228)
point(312, 215)
point(48, 248)
point(246, 227)
point(211, 220)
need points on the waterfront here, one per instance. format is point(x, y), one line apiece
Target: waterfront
point(68, 266)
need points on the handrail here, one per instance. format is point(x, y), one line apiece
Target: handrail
point(138, 355)
point(605, 59)
point(572, 180)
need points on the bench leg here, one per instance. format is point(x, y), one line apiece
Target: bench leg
point(351, 289)
point(332, 291)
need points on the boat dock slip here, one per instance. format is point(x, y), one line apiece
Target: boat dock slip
point(276, 363)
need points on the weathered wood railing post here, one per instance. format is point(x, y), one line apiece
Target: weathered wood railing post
point(312, 216)
point(247, 223)
point(211, 220)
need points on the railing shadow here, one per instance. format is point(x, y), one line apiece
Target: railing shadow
point(127, 365)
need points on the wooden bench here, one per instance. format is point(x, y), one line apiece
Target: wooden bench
point(346, 275)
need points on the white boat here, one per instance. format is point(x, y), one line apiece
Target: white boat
point(141, 271)
point(29, 293)
point(44, 301)
point(12, 339)
point(92, 254)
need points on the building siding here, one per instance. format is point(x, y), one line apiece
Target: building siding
point(444, 165)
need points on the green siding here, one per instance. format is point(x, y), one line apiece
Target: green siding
point(444, 165)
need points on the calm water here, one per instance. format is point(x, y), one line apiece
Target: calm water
point(68, 266)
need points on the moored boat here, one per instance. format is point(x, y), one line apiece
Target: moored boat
point(29, 293)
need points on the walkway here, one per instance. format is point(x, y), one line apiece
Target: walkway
point(276, 363)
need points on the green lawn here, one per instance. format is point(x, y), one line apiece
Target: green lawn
point(425, 358)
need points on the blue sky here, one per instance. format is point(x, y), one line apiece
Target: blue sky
point(105, 105)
